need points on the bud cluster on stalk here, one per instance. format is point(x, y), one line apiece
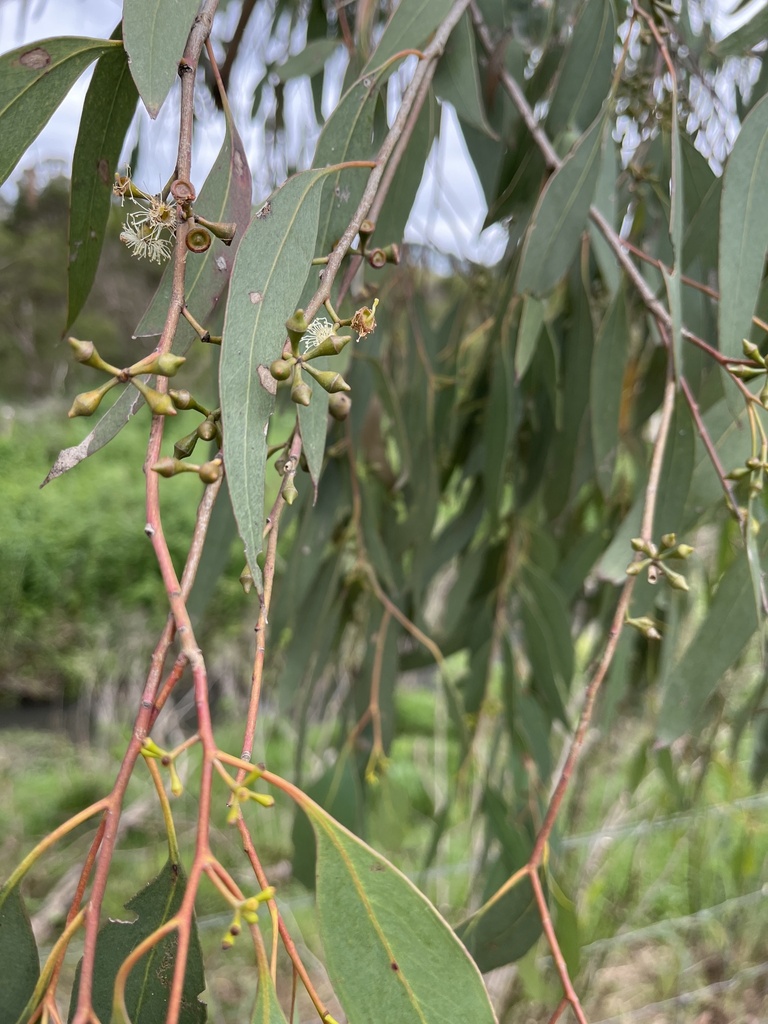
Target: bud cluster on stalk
point(758, 369)
point(655, 561)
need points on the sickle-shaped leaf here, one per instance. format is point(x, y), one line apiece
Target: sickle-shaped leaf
point(107, 112)
point(149, 983)
point(272, 265)
point(34, 79)
point(561, 216)
point(18, 954)
point(585, 77)
point(743, 229)
point(389, 954)
point(155, 33)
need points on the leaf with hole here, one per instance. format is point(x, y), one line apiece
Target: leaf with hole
point(34, 79)
point(148, 986)
point(107, 113)
point(155, 34)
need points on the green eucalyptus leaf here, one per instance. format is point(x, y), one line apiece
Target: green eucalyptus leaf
point(149, 983)
point(608, 362)
point(585, 74)
point(107, 113)
point(743, 229)
point(385, 944)
point(606, 201)
point(337, 791)
point(561, 216)
point(745, 37)
point(266, 1009)
point(457, 78)
point(309, 61)
point(531, 323)
point(18, 954)
point(155, 34)
point(721, 638)
point(34, 79)
point(272, 264)
point(411, 25)
point(111, 423)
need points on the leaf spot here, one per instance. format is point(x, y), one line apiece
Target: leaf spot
point(268, 382)
point(102, 169)
point(35, 59)
point(255, 297)
point(221, 263)
point(394, 966)
point(264, 212)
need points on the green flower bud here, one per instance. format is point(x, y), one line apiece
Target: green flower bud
point(83, 350)
point(645, 625)
point(764, 395)
point(330, 346)
point(289, 492)
point(207, 430)
point(339, 405)
point(168, 467)
point(281, 368)
point(159, 404)
point(246, 580)
point(168, 364)
point(184, 447)
point(301, 393)
point(738, 473)
point(751, 351)
point(296, 326)
point(668, 540)
point(635, 568)
point(638, 544)
point(210, 472)
point(226, 232)
point(329, 380)
point(675, 579)
point(682, 551)
point(746, 372)
point(86, 403)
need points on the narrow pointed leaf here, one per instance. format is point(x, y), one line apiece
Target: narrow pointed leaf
point(309, 61)
point(743, 229)
point(385, 944)
point(586, 72)
point(155, 33)
point(110, 424)
point(457, 78)
point(149, 983)
point(18, 954)
point(608, 361)
point(411, 24)
point(266, 1009)
point(107, 113)
point(272, 264)
point(34, 79)
point(561, 216)
point(531, 322)
point(720, 639)
point(673, 281)
point(391, 222)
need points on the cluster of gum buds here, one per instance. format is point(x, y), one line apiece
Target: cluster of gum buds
point(166, 365)
point(656, 558)
point(245, 910)
point(744, 372)
point(167, 759)
point(320, 339)
point(209, 429)
point(149, 231)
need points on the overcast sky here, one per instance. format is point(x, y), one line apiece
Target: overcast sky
point(449, 210)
